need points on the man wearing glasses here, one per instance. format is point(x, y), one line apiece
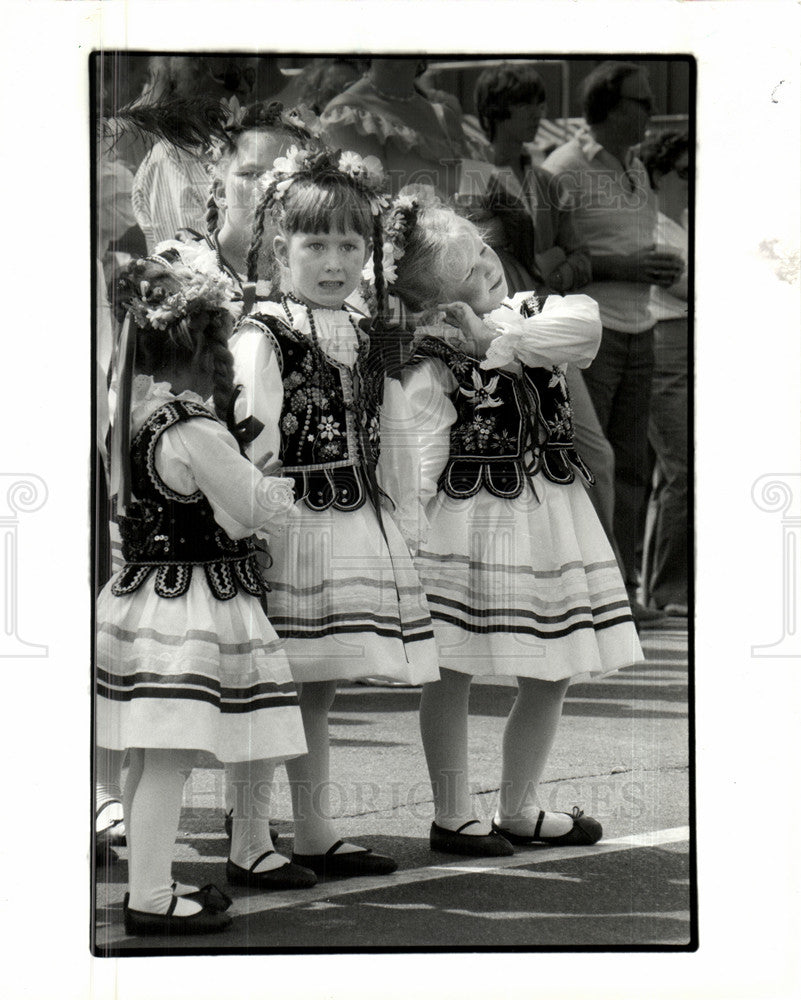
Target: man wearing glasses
point(614, 213)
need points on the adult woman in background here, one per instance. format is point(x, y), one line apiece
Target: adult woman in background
point(383, 114)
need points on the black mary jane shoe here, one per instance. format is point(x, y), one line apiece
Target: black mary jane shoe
point(288, 876)
point(205, 921)
point(490, 845)
point(114, 832)
point(348, 864)
point(209, 896)
point(229, 827)
point(586, 831)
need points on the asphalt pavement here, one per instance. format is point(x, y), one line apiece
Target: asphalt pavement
point(621, 754)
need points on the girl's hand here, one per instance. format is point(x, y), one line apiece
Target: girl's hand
point(476, 337)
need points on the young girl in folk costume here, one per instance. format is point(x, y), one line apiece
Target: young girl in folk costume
point(519, 575)
point(186, 658)
point(245, 145)
point(344, 592)
point(253, 137)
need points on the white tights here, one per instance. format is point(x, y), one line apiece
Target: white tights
point(152, 799)
point(527, 740)
point(309, 775)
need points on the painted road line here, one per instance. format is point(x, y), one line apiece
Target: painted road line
point(323, 893)
point(523, 873)
point(535, 856)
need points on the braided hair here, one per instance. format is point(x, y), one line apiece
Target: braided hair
point(267, 116)
point(318, 196)
point(427, 248)
point(178, 330)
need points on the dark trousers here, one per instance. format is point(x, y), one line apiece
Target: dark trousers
point(666, 542)
point(619, 384)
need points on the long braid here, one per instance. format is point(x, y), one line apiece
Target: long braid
point(216, 345)
point(378, 269)
point(212, 215)
point(258, 237)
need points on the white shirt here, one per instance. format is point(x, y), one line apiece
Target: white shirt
point(614, 212)
point(670, 303)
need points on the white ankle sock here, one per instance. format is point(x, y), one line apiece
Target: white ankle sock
point(553, 824)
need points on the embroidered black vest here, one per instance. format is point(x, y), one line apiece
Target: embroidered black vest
point(559, 456)
point(496, 423)
point(170, 533)
point(549, 387)
point(329, 418)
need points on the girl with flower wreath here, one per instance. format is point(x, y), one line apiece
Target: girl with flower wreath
point(344, 593)
point(252, 137)
point(237, 157)
point(186, 658)
point(517, 569)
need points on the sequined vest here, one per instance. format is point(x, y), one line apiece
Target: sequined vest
point(507, 428)
point(169, 533)
point(549, 388)
point(559, 460)
point(329, 418)
point(495, 427)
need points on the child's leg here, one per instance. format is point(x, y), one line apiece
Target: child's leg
point(136, 763)
point(249, 787)
point(309, 775)
point(443, 727)
point(527, 741)
point(152, 820)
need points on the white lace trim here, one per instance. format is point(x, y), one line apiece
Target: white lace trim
point(375, 123)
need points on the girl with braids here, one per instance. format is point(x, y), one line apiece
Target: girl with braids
point(186, 658)
point(344, 594)
point(251, 140)
point(519, 575)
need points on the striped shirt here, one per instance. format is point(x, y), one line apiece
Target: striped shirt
point(169, 193)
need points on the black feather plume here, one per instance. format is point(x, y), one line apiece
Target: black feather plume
point(186, 123)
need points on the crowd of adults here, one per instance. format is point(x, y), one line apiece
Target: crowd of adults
point(604, 214)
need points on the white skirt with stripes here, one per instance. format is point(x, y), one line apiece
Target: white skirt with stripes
point(527, 587)
point(193, 673)
point(347, 601)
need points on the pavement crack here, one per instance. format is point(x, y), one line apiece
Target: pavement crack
point(674, 768)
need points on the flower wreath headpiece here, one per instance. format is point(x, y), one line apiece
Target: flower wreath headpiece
point(153, 304)
point(317, 161)
point(299, 122)
point(398, 226)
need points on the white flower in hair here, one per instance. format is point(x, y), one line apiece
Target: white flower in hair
point(367, 169)
point(303, 116)
point(350, 163)
point(236, 112)
point(294, 160)
point(389, 255)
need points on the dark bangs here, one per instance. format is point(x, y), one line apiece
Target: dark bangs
point(325, 205)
